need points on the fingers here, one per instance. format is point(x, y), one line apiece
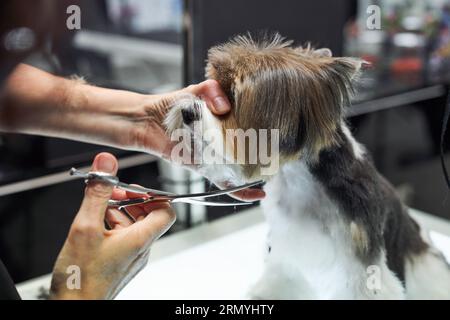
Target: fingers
point(249, 194)
point(140, 212)
point(117, 219)
point(136, 211)
point(119, 194)
point(97, 194)
point(211, 92)
point(154, 225)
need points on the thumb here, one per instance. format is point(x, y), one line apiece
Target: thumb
point(98, 193)
point(211, 92)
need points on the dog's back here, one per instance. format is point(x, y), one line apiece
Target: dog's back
point(384, 226)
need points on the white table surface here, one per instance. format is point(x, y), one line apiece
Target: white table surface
point(218, 260)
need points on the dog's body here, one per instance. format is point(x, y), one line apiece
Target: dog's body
point(337, 231)
point(337, 228)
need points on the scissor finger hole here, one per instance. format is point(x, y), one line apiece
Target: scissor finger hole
point(126, 212)
point(134, 212)
point(117, 219)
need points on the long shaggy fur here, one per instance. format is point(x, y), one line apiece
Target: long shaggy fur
point(337, 228)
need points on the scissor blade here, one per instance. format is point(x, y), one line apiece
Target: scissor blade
point(218, 192)
point(137, 201)
point(211, 203)
point(142, 190)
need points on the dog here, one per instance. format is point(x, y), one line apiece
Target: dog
point(337, 229)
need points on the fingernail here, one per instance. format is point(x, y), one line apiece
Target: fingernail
point(105, 163)
point(260, 194)
point(221, 105)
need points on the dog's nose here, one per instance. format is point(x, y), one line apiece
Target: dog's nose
point(189, 115)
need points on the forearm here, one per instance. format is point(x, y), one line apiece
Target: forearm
point(37, 102)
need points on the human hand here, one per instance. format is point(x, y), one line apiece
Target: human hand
point(148, 132)
point(153, 138)
point(107, 259)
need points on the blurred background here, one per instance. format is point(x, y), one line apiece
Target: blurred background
point(153, 46)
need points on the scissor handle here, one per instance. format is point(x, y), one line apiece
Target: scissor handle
point(158, 195)
point(95, 175)
point(114, 180)
point(127, 202)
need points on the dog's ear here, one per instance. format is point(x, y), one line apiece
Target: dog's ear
point(347, 67)
point(340, 74)
point(308, 50)
point(329, 91)
point(323, 52)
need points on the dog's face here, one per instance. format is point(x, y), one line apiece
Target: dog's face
point(299, 92)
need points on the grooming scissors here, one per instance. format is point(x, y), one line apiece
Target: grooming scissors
point(154, 195)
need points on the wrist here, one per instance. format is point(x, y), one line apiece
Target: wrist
point(88, 291)
point(122, 119)
point(74, 295)
point(149, 132)
point(106, 116)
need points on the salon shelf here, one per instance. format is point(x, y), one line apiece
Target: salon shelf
point(156, 51)
point(397, 100)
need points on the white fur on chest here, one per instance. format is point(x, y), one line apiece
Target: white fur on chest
point(305, 236)
point(310, 240)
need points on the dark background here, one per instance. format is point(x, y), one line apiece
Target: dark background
point(403, 139)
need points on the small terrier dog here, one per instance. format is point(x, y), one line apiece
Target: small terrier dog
point(337, 229)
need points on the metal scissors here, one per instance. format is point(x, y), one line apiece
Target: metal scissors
point(154, 195)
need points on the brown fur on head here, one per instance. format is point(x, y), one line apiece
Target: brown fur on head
point(274, 85)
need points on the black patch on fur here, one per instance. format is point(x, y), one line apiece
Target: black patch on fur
point(191, 114)
point(367, 199)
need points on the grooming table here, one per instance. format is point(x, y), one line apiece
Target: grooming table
point(218, 260)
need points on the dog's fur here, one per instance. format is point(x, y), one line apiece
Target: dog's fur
point(337, 228)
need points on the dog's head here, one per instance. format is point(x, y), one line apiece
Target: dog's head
point(299, 92)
